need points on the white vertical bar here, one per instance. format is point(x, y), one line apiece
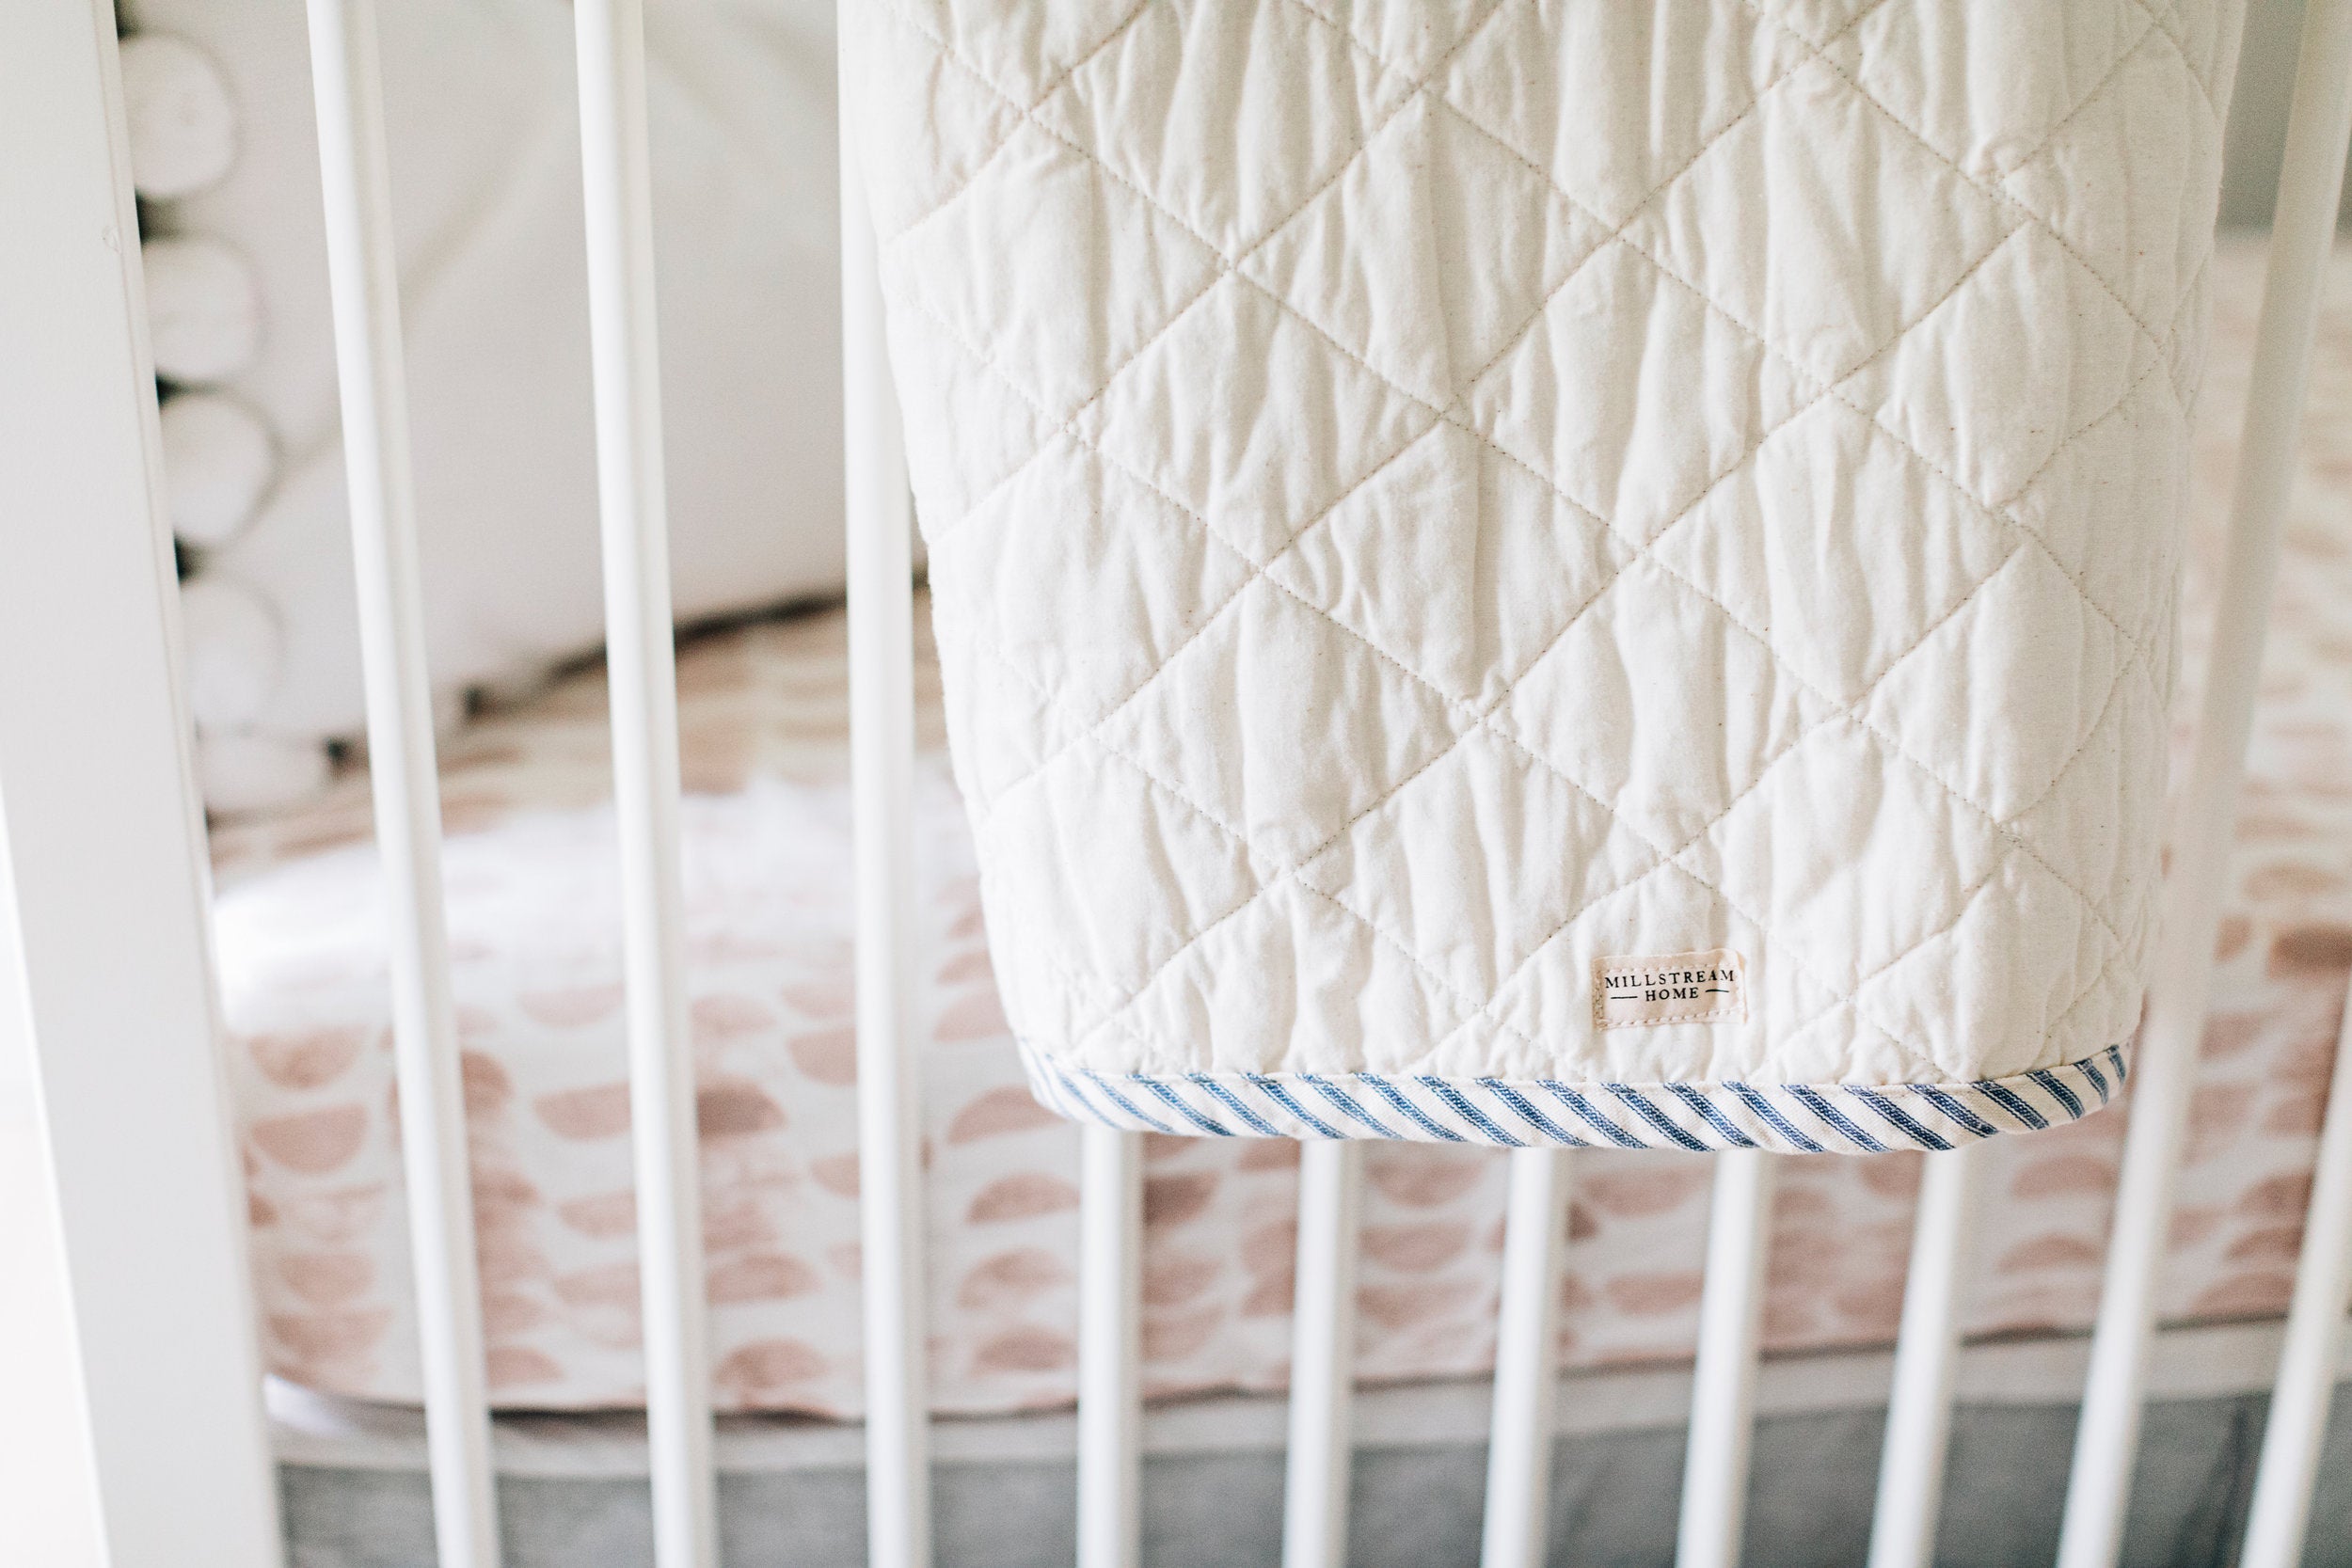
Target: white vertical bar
point(1722, 1402)
point(1110, 1350)
point(2314, 1344)
point(1323, 1356)
point(1527, 1346)
point(2319, 127)
point(618, 190)
point(881, 770)
point(347, 87)
point(131, 1425)
point(1927, 1356)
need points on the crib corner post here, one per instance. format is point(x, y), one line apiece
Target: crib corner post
point(118, 1166)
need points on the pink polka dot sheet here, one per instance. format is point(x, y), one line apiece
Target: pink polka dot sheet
point(534, 908)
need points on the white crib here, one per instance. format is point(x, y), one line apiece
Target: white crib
point(137, 1437)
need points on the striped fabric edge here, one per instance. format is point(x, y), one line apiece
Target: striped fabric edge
point(1518, 1113)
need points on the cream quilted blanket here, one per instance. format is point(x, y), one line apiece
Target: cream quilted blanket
point(1587, 572)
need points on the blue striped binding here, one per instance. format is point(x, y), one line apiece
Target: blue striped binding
point(1838, 1118)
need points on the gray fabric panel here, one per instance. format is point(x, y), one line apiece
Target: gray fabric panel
point(1614, 1503)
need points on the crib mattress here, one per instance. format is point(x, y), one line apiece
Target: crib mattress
point(535, 921)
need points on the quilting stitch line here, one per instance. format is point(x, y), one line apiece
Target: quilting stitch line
point(2100, 1084)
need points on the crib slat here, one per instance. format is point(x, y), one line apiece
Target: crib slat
point(2310, 180)
point(1323, 1356)
point(882, 772)
point(1927, 1358)
point(1110, 1350)
point(346, 86)
point(1723, 1406)
point(1527, 1343)
point(641, 662)
point(2282, 1507)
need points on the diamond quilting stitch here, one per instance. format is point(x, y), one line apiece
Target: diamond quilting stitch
point(1227, 118)
point(1326, 410)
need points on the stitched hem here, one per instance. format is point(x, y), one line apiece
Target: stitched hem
point(1518, 1113)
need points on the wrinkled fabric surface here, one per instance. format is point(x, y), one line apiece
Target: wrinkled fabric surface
point(1424, 498)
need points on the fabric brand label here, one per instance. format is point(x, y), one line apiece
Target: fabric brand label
point(1679, 988)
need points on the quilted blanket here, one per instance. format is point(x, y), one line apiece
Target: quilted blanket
point(1587, 572)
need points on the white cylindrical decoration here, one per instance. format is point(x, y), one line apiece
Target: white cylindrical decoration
point(2310, 180)
point(1527, 1347)
point(220, 461)
point(1323, 1356)
point(203, 309)
point(1927, 1358)
point(183, 123)
point(233, 647)
point(1110, 1350)
point(2282, 1507)
point(617, 188)
point(1722, 1404)
point(364, 285)
point(881, 773)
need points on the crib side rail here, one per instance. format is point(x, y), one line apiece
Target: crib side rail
point(131, 1427)
point(634, 528)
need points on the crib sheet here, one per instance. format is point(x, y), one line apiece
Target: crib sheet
point(535, 903)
